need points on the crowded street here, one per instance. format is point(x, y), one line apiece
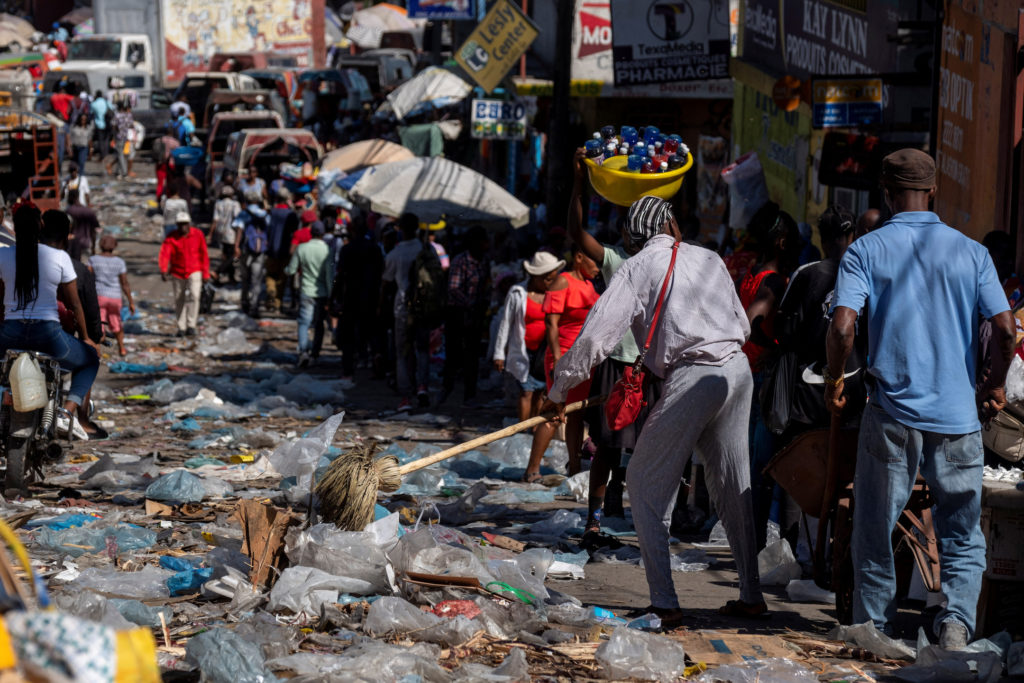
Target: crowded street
point(494, 340)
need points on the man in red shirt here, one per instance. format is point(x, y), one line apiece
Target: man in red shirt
point(60, 102)
point(304, 234)
point(184, 258)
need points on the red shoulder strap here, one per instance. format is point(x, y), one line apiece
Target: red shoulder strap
point(661, 299)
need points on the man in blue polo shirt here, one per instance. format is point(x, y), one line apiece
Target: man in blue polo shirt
point(921, 286)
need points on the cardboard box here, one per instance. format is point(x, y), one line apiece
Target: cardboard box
point(1004, 543)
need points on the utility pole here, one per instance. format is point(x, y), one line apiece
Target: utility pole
point(559, 151)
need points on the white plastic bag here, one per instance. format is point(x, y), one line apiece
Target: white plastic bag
point(635, 654)
point(747, 189)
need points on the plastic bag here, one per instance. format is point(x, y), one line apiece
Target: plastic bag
point(77, 541)
point(371, 661)
point(760, 671)
point(1015, 380)
point(513, 669)
point(355, 554)
point(395, 615)
point(805, 590)
point(148, 582)
point(302, 590)
point(141, 614)
point(179, 486)
point(935, 664)
point(94, 607)
point(634, 654)
point(557, 524)
point(870, 638)
point(298, 458)
point(748, 191)
point(777, 564)
point(225, 657)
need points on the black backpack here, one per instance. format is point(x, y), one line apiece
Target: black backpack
point(428, 288)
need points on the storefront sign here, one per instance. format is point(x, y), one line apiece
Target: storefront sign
point(593, 64)
point(441, 9)
point(498, 120)
point(496, 44)
point(821, 38)
point(780, 139)
point(669, 41)
point(970, 159)
point(847, 102)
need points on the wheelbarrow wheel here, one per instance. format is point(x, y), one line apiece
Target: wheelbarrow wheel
point(842, 563)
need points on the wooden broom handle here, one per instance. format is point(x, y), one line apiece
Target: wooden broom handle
point(494, 436)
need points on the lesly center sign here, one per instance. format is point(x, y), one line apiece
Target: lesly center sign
point(495, 45)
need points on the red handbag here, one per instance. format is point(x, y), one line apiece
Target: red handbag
point(627, 396)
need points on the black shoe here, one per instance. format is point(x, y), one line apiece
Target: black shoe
point(190, 332)
point(179, 333)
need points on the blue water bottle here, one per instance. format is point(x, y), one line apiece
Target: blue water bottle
point(634, 162)
point(629, 135)
point(650, 133)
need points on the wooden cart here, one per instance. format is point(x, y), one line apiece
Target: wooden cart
point(817, 470)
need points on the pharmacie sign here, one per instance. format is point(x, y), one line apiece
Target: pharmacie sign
point(497, 42)
point(669, 41)
point(846, 102)
point(498, 120)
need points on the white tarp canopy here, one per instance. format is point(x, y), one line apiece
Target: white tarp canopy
point(435, 188)
point(433, 87)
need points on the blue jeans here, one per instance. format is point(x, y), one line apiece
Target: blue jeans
point(888, 457)
point(47, 337)
point(312, 311)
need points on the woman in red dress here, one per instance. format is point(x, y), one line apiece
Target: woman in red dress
point(566, 305)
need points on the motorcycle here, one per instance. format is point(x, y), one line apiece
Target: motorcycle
point(29, 439)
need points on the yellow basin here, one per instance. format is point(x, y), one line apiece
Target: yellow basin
point(614, 183)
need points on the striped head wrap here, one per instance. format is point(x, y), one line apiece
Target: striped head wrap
point(647, 216)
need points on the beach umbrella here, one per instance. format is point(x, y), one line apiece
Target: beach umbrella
point(434, 188)
point(433, 87)
point(364, 153)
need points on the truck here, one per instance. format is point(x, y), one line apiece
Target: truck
point(182, 36)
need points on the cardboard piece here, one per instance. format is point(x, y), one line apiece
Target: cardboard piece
point(730, 647)
point(263, 530)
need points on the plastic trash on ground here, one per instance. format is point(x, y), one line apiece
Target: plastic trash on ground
point(557, 524)
point(229, 342)
point(805, 590)
point(936, 665)
point(398, 616)
point(148, 582)
point(513, 669)
point(302, 590)
point(180, 485)
point(99, 537)
point(633, 654)
point(224, 657)
point(357, 555)
point(371, 661)
point(777, 564)
point(759, 671)
point(298, 458)
point(870, 638)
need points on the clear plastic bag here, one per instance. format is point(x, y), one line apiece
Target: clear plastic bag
point(355, 554)
point(635, 654)
point(99, 537)
point(225, 657)
point(302, 590)
point(760, 671)
point(513, 670)
point(180, 486)
point(870, 638)
point(557, 524)
point(805, 590)
point(148, 582)
point(777, 565)
point(298, 458)
point(395, 615)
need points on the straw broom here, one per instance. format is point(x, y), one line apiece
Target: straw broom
point(348, 491)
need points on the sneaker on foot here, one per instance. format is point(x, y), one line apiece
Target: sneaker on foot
point(953, 636)
point(190, 332)
point(405, 406)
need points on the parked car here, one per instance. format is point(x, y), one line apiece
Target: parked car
point(383, 72)
point(197, 86)
point(265, 149)
point(285, 82)
point(223, 101)
point(225, 124)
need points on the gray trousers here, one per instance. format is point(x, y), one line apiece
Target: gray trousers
point(412, 351)
point(252, 281)
point(704, 408)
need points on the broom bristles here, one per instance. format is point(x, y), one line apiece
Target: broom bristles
point(348, 491)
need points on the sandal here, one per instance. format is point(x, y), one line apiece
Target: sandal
point(594, 540)
point(745, 610)
point(530, 478)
